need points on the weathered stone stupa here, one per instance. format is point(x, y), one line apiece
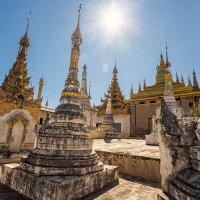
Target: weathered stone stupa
point(63, 165)
point(108, 124)
point(179, 149)
point(89, 111)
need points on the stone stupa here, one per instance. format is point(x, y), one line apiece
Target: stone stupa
point(108, 123)
point(63, 165)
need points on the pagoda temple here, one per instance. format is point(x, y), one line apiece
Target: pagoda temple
point(143, 104)
point(19, 112)
point(119, 108)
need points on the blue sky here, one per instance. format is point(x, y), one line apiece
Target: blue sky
point(136, 45)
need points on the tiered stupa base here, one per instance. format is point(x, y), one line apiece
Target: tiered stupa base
point(57, 187)
point(63, 165)
point(108, 129)
point(112, 135)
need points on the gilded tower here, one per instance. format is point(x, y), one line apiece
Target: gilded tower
point(16, 84)
point(72, 84)
point(20, 112)
point(15, 91)
point(118, 105)
point(119, 109)
point(161, 70)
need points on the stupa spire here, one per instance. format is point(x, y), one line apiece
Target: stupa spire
point(41, 84)
point(144, 84)
point(167, 60)
point(161, 70)
point(189, 81)
point(47, 103)
point(115, 93)
point(16, 85)
point(72, 83)
point(139, 88)
point(182, 80)
point(84, 81)
point(77, 36)
point(131, 91)
point(195, 82)
point(115, 71)
point(177, 78)
point(161, 59)
point(85, 98)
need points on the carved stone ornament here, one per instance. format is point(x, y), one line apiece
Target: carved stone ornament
point(19, 117)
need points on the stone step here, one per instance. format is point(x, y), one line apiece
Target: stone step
point(179, 194)
point(187, 188)
point(190, 177)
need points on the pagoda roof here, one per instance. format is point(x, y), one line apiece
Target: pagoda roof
point(157, 91)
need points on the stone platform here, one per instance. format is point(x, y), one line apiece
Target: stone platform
point(133, 157)
point(56, 187)
point(127, 189)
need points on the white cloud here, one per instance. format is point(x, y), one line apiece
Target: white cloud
point(105, 68)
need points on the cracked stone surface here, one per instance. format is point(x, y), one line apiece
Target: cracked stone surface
point(127, 146)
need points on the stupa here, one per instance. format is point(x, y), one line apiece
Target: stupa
point(63, 165)
point(108, 123)
point(179, 144)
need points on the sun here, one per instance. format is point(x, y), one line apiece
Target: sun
point(112, 19)
point(112, 23)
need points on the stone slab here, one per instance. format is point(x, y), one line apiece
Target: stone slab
point(134, 147)
point(144, 168)
point(57, 187)
point(133, 157)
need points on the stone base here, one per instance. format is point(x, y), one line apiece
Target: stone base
point(152, 139)
point(9, 157)
point(57, 187)
point(54, 171)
